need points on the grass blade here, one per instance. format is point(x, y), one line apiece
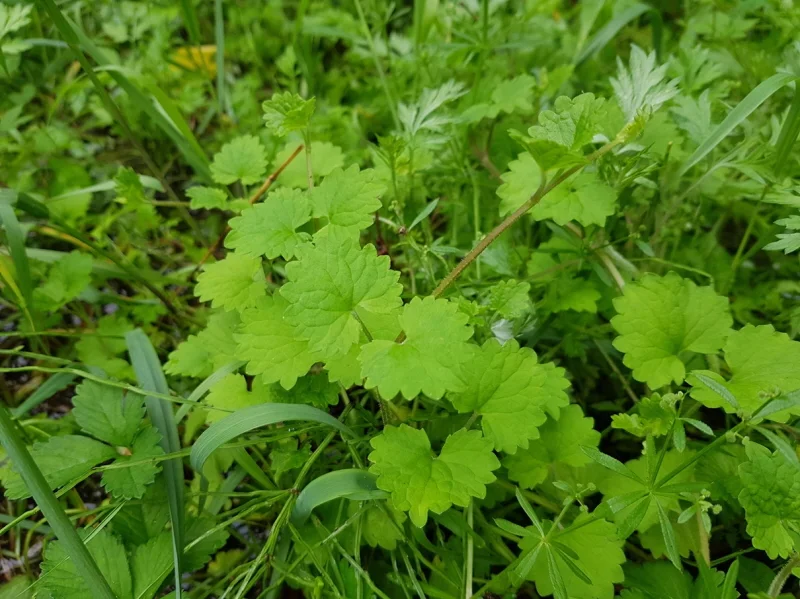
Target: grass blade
point(151, 377)
point(46, 390)
point(219, 39)
point(191, 21)
point(16, 246)
point(51, 508)
point(351, 483)
point(788, 135)
point(248, 419)
point(737, 116)
point(203, 388)
point(608, 31)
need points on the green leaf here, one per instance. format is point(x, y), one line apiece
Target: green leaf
point(206, 197)
point(419, 482)
point(770, 499)
point(107, 413)
point(669, 536)
point(286, 112)
point(559, 444)
point(151, 562)
point(599, 553)
point(652, 416)
point(520, 183)
point(641, 86)
point(128, 186)
point(737, 116)
point(65, 280)
point(248, 419)
point(510, 298)
point(762, 362)
point(271, 228)
point(512, 392)
point(103, 349)
point(272, 347)
point(230, 394)
point(59, 580)
point(312, 389)
point(607, 32)
point(583, 198)
point(428, 360)
point(354, 484)
point(325, 157)
point(130, 480)
point(575, 294)
point(234, 283)
point(661, 318)
point(212, 348)
point(61, 460)
point(242, 159)
point(348, 199)
point(327, 299)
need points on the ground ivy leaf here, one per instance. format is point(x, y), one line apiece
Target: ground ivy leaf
point(65, 279)
point(428, 360)
point(600, 557)
point(520, 182)
point(286, 112)
point(575, 294)
point(60, 578)
point(771, 498)
point(102, 350)
point(419, 482)
point(202, 354)
point(559, 444)
point(151, 562)
point(378, 528)
point(206, 197)
point(583, 198)
point(61, 459)
point(313, 389)
point(348, 199)
point(325, 157)
point(130, 481)
point(107, 412)
point(332, 285)
point(512, 392)
point(272, 347)
point(762, 362)
point(510, 298)
point(271, 228)
point(659, 318)
point(230, 393)
point(234, 283)
point(241, 159)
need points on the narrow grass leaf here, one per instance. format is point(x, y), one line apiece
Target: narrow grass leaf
point(352, 484)
point(219, 39)
point(150, 377)
point(51, 508)
point(57, 382)
point(737, 116)
point(203, 388)
point(248, 419)
point(16, 246)
point(190, 20)
point(608, 31)
point(788, 135)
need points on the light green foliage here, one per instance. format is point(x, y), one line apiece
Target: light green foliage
point(653, 416)
point(272, 347)
point(230, 393)
point(312, 389)
point(509, 96)
point(347, 199)
point(583, 198)
point(771, 498)
point(790, 241)
point(512, 392)
point(762, 363)
point(572, 294)
point(510, 298)
point(107, 413)
point(286, 112)
point(241, 159)
point(331, 286)
point(210, 349)
point(234, 283)
point(325, 158)
point(430, 358)
point(287, 456)
point(419, 482)
point(128, 186)
point(641, 85)
point(65, 280)
point(61, 459)
point(660, 318)
point(559, 444)
point(102, 349)
point(599, 556)
point(271, 228)
point(206, 197)
point(519, 183)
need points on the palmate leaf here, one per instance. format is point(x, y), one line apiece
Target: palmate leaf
point(233, 283)
point(659, 318)
point(130, 475)
point(286, 112)
point(210, 349)
point(347, 199)
point(242, 159)
point(107, 413)
point(419, 482)
point(584, 198)
point(512, 392)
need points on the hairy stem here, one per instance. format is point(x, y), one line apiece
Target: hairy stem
point(776, 586)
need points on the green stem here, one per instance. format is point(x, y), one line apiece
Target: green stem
point(782, 576)
point(309, 171)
